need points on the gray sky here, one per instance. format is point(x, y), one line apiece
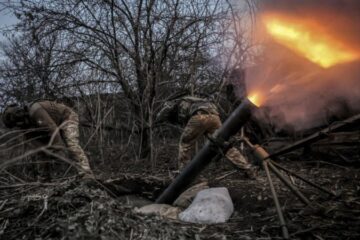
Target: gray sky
point(7, 19)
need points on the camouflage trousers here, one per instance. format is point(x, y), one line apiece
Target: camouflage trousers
point(197, 126)
point(70, 133)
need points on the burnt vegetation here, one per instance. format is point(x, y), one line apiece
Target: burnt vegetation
point(116, 62)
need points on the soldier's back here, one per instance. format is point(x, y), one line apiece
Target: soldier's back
point(57, 111)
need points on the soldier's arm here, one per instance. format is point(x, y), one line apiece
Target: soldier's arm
point(43, 120)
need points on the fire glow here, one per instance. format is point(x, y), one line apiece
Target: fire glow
point(256, 98)
point(309, 42)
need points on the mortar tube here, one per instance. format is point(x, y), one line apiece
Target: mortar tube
point(209, 152)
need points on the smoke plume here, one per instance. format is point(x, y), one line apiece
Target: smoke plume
point(296, 91)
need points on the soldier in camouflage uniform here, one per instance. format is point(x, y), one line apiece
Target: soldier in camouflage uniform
point(200, 117)
point(54, 120)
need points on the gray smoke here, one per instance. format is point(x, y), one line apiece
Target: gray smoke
point(304, 95)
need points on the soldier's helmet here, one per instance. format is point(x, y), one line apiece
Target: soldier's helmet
point(13, 115)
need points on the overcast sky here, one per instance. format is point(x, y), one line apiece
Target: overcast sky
point(6, 19)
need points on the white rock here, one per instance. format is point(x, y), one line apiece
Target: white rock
point(185, 199)
point(210, 206)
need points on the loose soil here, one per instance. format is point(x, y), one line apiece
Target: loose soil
point(74, 208)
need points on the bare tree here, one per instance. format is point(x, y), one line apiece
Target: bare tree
point(35, 68)
point(148, 50)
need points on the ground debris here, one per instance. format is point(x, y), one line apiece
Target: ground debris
point(79, 209)
point(76, 210)
point(335, 217)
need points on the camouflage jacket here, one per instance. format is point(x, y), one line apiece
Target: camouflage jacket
point(50, 115)
point(180, 110)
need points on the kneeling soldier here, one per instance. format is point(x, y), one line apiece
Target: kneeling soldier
point(55, 120)
point(200, 117)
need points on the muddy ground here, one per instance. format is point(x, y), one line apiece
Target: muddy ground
point(72, 208)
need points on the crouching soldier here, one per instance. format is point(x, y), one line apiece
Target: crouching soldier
point(200, 117)
point(53, 121)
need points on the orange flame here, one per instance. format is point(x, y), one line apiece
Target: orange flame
point(256, 98)
point(309, 41)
